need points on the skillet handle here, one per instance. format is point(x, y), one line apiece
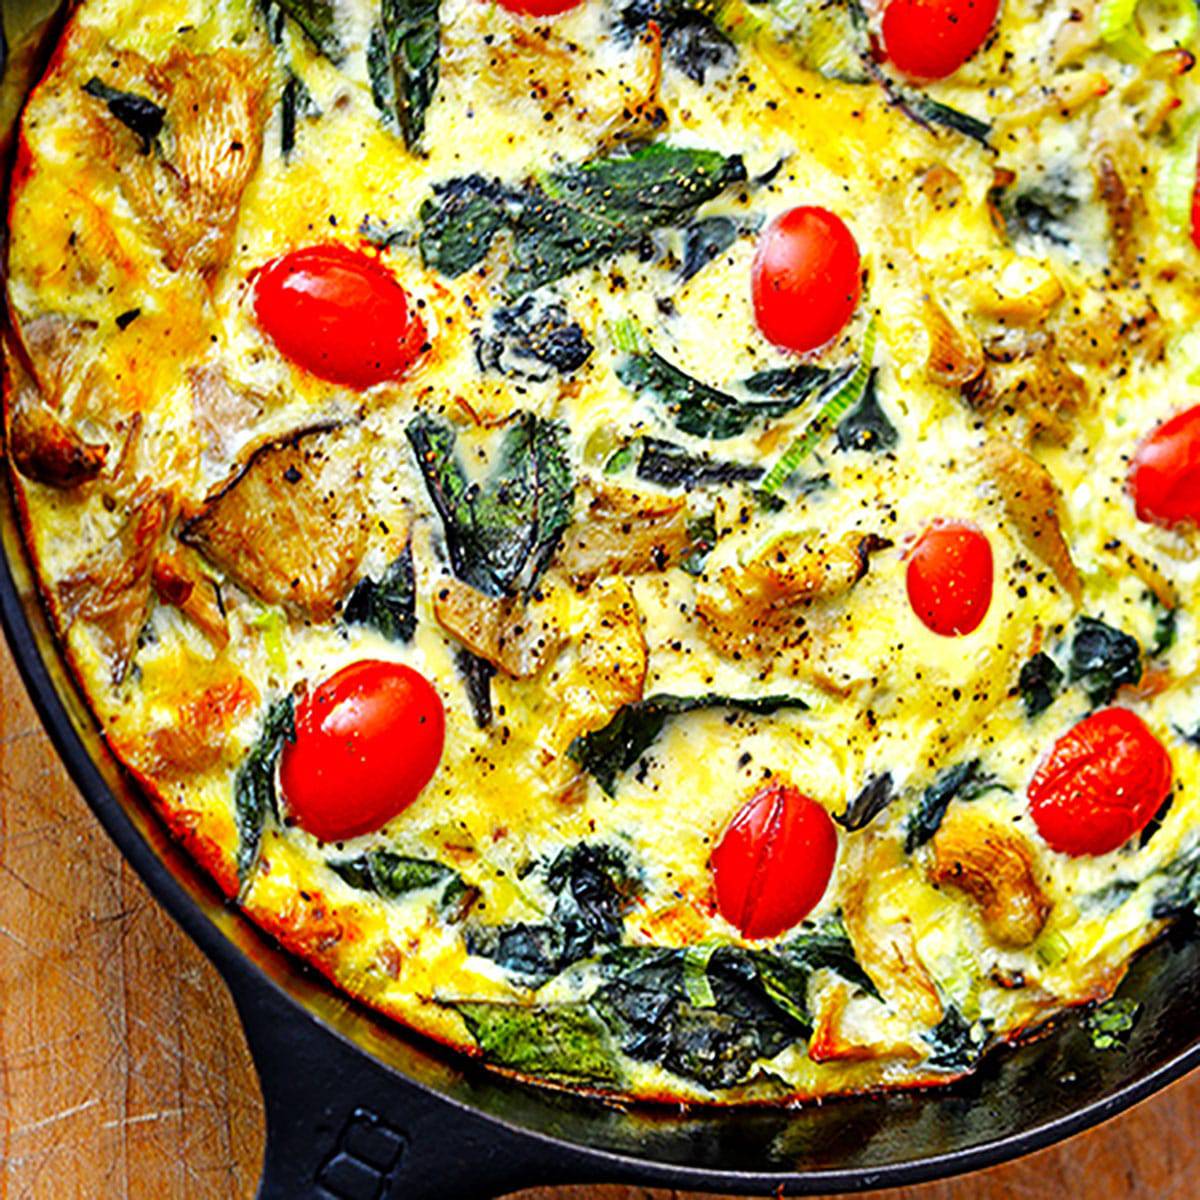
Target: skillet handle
point(341, 1127)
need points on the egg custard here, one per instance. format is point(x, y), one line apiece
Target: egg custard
point(653, 542)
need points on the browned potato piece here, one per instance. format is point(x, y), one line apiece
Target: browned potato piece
point(1032, 502)
point(993, 864)
point(510, 634)
point(110, 590)
point(291, 526)
point(622, 532)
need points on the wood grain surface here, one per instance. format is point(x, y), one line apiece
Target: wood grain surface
point(123, 1072)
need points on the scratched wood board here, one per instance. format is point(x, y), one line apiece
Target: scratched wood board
point(123, 1072)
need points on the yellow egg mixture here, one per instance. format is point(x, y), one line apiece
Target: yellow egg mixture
point(1027, 310)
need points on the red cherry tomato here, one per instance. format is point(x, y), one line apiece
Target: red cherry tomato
point(368, 740)
point(1195, 207)
point(1165, 477)
point(539, 8)
point(930, 39)
point(340, 314)
point(773, 863)
point(806, 279)
point(1100, 784)
point(950, 578)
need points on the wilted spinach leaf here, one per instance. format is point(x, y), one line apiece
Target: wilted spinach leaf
point(670, 465)
point(533, 339)
point(1165, 627)
point(1156, 822)
point(704, 241)
point(703, 534)
point(1103, 659)
point(964, 781)
point(692, 406)
point(876, 795)
point(1039, 682)
point(501, 533)
point(389, 605)
point(866, 425)
point(1179, 893)
point(318, 19)
point(574, 217)
point(402, 60)
point(692, 40)
point(592, 885)
point(392, 875)
point(552, 1041)
point(296, 101)
point(799, 381)
point(1042, 212)
point(951, 1044)
point(254, 784)
point(1111, 1023)
point(139, 114)
point(477, 674)
point(605, 753)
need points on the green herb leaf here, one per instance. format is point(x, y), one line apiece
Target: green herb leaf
point(392, 875)
point(866, 426)
point(1179, 893)
point(388, 605)
point(1111, 1023)
point(139, 114)
point(477, 674)
point(402, 61)
point(692, 406)
point(572, 218)
point(964, 781)
point(295, 102)
point(503, 532)
point(1165, 627)
point(318, 19)
point(1103, 659)
point(254, 784)
point(605, 753)
point(533, 339)
point(552, 1041)
point(704, 241)
point(1039, 683)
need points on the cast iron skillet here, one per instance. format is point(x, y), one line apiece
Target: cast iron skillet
point(358, 1109)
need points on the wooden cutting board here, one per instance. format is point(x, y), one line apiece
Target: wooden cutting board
point(123, 1072)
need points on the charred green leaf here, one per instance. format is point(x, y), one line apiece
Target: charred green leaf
point(389, 604)
point(139, 114)
point(866, 426)
point(295, 103)
point(254, 796)
point(392, 875)
point(704, 241)
point(963, 781)
point(672, 466)
point(501, 533)
point(1103, 659)
point(477, 674)
point(605, 753)
point(318, 20)
point(690, 35)
point(952, 1043)
point(1040, 681)
point(877, 793)
point(533, 339)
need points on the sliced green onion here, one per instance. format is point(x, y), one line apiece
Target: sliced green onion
point(1051, 948)
point(1117, 22)
point(695, 975)
point(1177, 176)
point(843, 398)
point(272, 622)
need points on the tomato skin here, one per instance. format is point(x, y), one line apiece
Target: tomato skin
point(806, 280)
point(1196, 207)
point(1100, 784)
point(773, 862)
point(338, 313)
point(540, 8)
point(930, 39)
point(1164, 479)
point(368, 740)
point(949, 578)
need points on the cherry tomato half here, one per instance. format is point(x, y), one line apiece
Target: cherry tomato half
point(930, 39)
point(1165, 477)
point(368, 740)
point(806, 280)
point(1196, 206)
point(540, 8)
point(340, 314)
point(773, 862)
point(1100, 784)
point(950, 578)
